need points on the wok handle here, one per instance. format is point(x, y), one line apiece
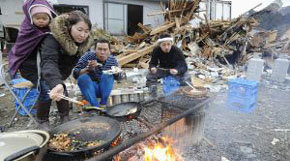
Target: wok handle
point(61, 154)
point(22, 152)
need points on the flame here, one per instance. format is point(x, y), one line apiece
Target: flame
point(161, 152)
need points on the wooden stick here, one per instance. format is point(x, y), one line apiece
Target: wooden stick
point(164, 12)
point(189, 85)
point(209, 142)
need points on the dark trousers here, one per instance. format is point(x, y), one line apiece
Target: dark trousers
point(44, 102)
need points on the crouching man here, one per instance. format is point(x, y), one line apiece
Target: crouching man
point(166, 60)
point(89, 74)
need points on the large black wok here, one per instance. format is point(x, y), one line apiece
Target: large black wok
point(89, 129)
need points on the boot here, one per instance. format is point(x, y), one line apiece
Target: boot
point(42, 114)
point(153, 91)
point(64, 119)
point(63, 109)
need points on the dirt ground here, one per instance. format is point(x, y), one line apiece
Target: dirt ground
point(247, 137)
point(258, 136)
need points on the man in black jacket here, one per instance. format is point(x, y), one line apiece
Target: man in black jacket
point(166, 60)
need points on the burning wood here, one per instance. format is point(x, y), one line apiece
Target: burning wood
point(152, 149)
point(162, 151)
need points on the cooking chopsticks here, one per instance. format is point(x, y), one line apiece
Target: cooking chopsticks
point(70, 99)
point(80, 103)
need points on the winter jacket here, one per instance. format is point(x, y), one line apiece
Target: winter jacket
point(59, 53)
point(172, 60)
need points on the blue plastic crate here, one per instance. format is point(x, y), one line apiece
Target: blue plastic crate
point(29, 100)
point(241, 104)
point(242, 88)
point(170, 85)
point(242, 95)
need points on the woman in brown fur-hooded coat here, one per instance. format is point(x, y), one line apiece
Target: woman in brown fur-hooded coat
point(70, 38)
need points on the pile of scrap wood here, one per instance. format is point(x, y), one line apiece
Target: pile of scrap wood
point(273, 36)
point(137, 47)
point(211, 40)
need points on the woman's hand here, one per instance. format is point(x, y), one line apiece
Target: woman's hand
point(56, 92)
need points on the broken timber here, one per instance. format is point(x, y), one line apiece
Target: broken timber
point(131, 57)
point(162, 28)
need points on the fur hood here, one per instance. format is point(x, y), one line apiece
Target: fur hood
point(61, 33)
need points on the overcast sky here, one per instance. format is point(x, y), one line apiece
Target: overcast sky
point(241, 6)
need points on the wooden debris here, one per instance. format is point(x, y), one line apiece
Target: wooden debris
point(162, 28)
point(213, 39)
point(144, 28)
point(136, 55)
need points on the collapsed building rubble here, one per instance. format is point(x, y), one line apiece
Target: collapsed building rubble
point(216, 50)
point(273, 25)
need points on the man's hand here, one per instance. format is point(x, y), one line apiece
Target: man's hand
point(56, 92)
point(153, 70)
point(173, 71)
point(91, 65)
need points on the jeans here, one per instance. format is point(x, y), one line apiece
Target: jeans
point(44, 89)
point(96, 89)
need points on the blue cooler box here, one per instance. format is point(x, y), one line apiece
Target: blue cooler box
point(29, 100)
point(242, 95)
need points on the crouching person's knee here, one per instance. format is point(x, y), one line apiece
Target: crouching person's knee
point(83, 78)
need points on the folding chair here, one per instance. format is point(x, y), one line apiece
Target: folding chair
point(3, 77)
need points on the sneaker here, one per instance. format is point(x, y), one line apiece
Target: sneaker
point(87, 108)
point(103, 107)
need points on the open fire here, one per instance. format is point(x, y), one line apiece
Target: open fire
point(161, 152)
point(152, 149)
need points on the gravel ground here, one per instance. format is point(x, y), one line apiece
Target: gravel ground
point(246, 137)
point(229, 134)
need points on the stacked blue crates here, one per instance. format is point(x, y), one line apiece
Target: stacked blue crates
point(242, 95)
point(29, 100)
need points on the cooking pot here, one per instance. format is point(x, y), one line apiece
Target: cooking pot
point(22, 145)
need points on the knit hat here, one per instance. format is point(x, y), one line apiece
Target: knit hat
point(40, 9)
